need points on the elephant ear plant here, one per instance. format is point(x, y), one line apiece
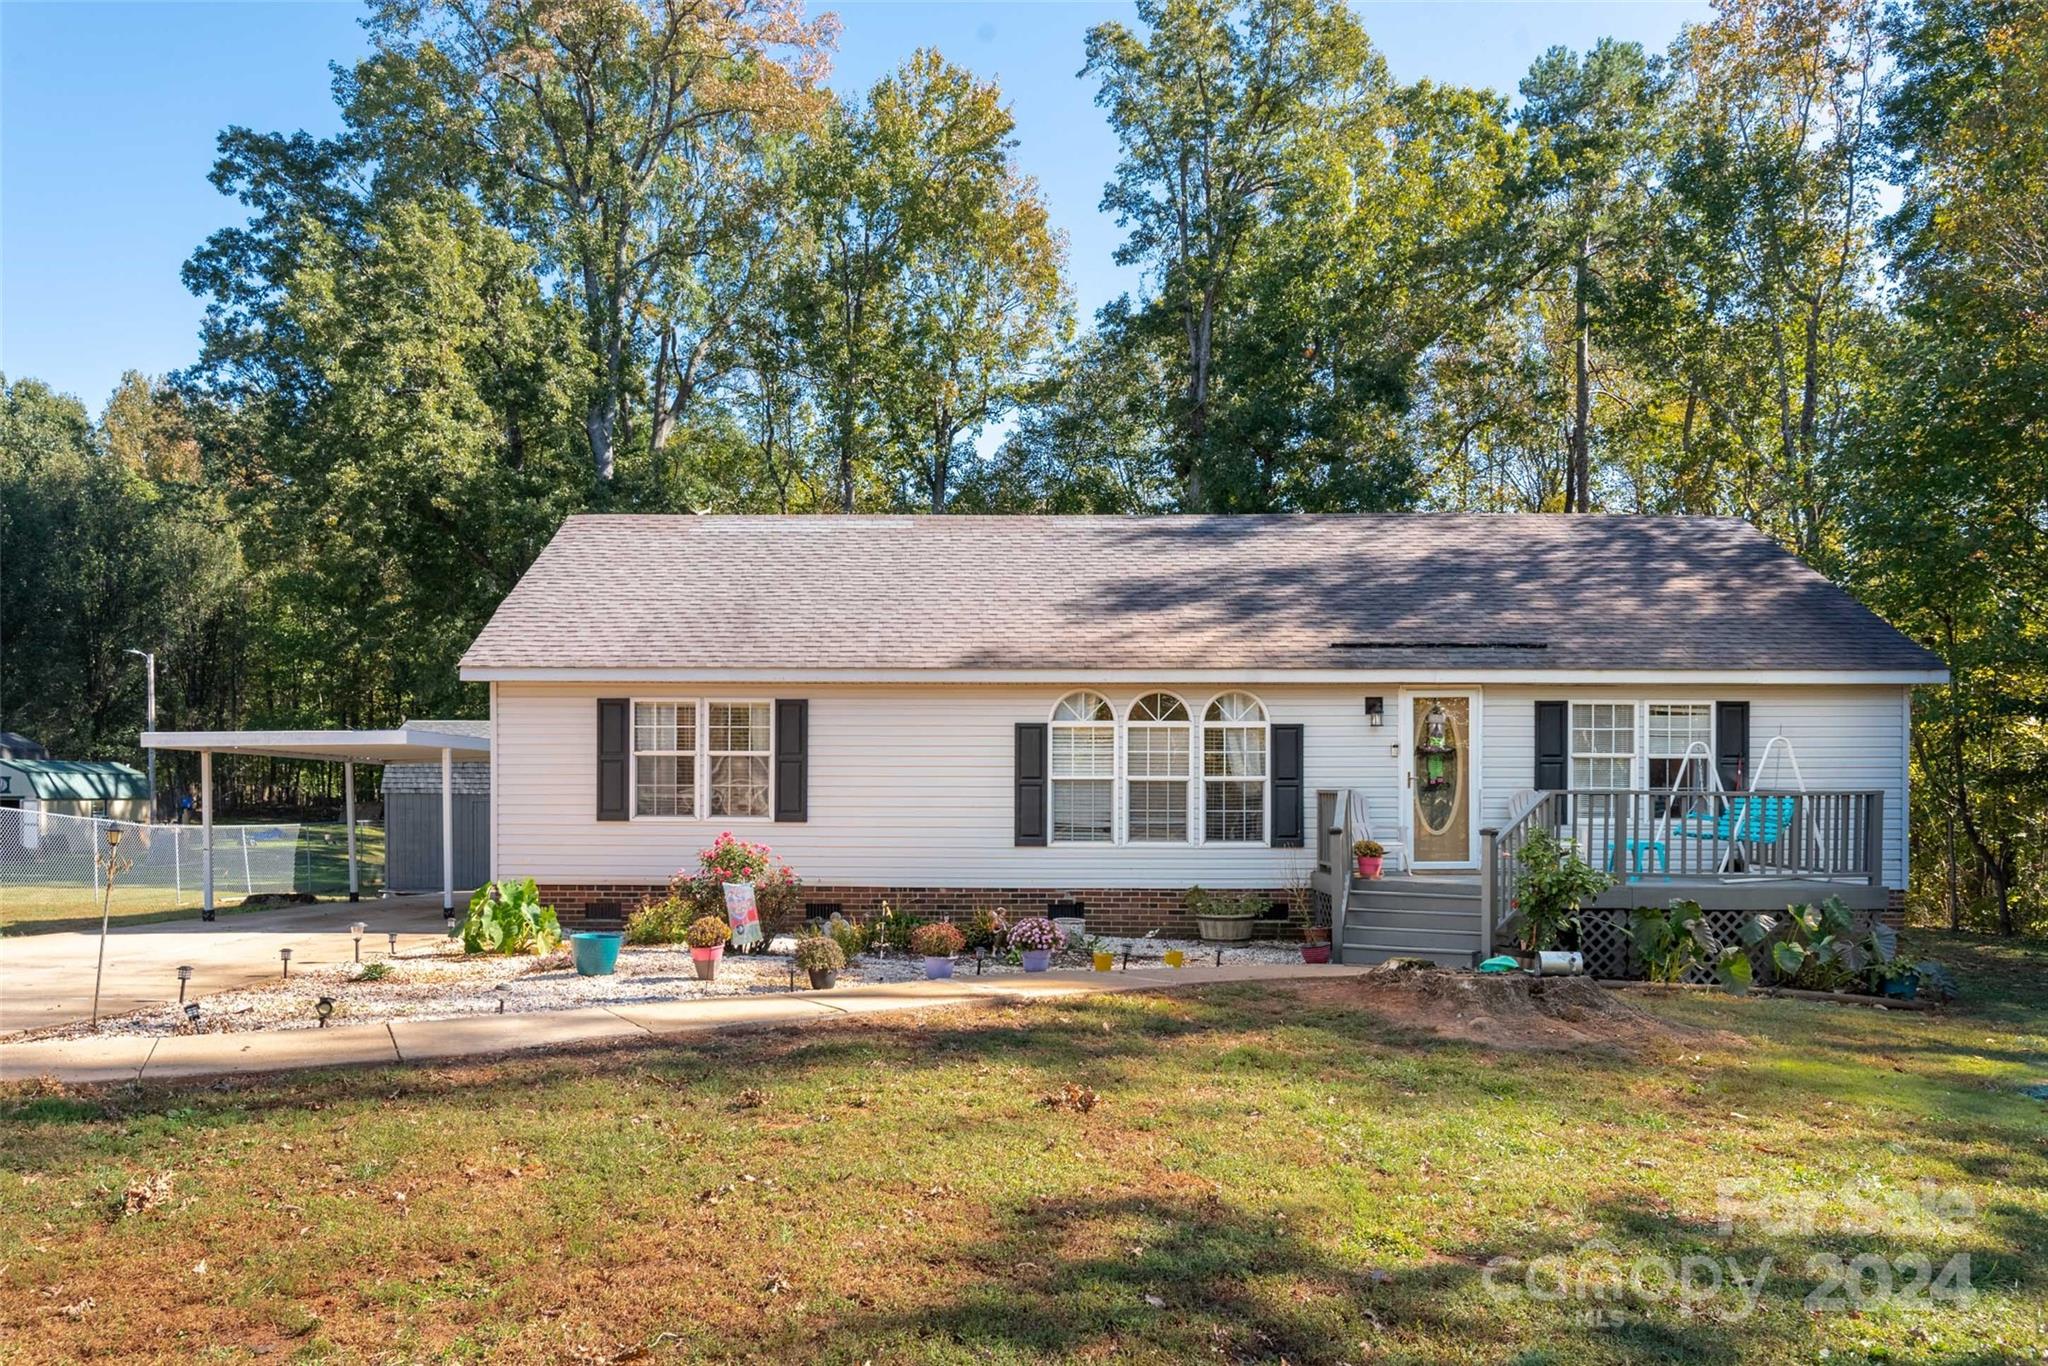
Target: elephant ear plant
point(507, 917)
point(1676, 939)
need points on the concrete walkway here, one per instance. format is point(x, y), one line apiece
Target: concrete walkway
point(46, 979)
point(137, 1058)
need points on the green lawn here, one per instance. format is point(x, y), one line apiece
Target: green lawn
point(1269, 1174)
point(64, 897)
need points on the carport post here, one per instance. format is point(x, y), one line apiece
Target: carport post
point(348, 807)
point(206, 834)
point(447, 835)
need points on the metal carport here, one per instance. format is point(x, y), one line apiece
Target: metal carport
point(413, 743)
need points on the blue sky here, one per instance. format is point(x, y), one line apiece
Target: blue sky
point(108, 114)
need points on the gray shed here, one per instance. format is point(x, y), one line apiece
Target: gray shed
point(412, 817)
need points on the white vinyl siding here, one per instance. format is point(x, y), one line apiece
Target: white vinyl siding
point(914, 784)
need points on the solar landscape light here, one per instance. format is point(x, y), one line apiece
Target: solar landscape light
point(357, 930)
point(392, 935)
point(192, 1012)
point(323, 1008)
point(184, 976)
point(285, 957)
point(504, 994)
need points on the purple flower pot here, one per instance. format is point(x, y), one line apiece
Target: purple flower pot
point(937, 967)
point(1036, 960)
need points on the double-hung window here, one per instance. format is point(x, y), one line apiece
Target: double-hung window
point(741, 756)
point(695, 758)
point(664, 758)
point(1234, 770)
point(1157, 743)
point(1603, 745)
point(1674, 730)
point(1082, 744)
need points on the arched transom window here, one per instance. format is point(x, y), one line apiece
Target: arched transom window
point(1234, 770)
point(1083, 770)
point(1159, 770)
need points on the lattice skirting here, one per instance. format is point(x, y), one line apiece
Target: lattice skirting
point(1604, 941)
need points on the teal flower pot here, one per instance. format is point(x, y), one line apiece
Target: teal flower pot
point(596, 951)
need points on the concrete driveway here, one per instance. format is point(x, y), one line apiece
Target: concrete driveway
point(46, 979)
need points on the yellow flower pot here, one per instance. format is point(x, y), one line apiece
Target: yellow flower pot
point(1103, 961)
point(1174, 958)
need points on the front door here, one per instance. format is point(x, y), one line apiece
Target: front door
point(1440, 764)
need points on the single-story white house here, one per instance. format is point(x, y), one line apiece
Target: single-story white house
point(948, 712)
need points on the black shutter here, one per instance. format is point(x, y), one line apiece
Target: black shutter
point(1731, 744)
point(1030, 780)
point(614, 757)
point(792, 759)
point(1287, 787)
point(1553, 746)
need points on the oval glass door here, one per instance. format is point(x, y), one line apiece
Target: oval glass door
point(1440, 767)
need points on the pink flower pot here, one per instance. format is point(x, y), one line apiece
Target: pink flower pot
point(707, 961)
point(1315, 953)
point(1369, 868)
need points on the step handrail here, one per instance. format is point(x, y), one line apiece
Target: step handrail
point(1498, 847)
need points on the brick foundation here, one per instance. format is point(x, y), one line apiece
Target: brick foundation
point(1108, 910)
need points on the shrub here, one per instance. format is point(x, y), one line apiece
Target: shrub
point(817, 953)
point(778, 894)
point(892, 928)
point(507, 917)
point(1037, 933)
point(666, 921)
point(708, 931)
point(850, 935)
point(937, 940)
point(1551, 883)
point(1222, 906)
point(985, 929)
point(1676, 939)
point(372, 972)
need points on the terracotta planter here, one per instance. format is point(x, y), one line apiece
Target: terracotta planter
point(1369, 867)
point(707, 961)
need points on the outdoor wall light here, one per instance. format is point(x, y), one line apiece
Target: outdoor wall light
point(1375, 712)
point(323, 1008)
point(192, 1011)
point(285, 957)
point(357, 930)
point(184, 976)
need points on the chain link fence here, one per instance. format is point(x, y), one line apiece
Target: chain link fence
point(48, 868)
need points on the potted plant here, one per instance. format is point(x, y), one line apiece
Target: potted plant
point(937, 943)
point(821, 957)
point(1371, 856)
point(1035, 939)
point(1315, 944)
point(707, 936)
point(1224, 919)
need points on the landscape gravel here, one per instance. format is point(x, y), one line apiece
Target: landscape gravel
point(441, 983)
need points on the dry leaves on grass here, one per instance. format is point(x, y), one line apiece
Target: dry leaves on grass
point(146, 1194)
point(750, 1099)
point(1072, 1096)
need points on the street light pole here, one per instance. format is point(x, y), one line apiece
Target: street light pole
point(149, 659)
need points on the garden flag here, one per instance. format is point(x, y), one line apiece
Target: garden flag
point(740, 910)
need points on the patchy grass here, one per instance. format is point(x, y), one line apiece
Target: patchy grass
point(320, 865)
point(1256, 1174)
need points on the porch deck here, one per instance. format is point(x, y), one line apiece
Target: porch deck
point(1734, 854)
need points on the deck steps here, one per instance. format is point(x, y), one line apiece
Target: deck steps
point(1436, 918)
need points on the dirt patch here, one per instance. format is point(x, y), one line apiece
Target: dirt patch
point(1505, 1010)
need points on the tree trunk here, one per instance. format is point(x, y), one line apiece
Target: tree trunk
point(1578, 479)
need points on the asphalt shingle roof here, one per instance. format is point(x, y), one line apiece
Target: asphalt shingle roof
point(1419, 590)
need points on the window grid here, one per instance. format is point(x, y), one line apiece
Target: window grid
point(1672, 729)
point(1158, 745)
point(1082, 754)
point(1234, 770)
point(741, 757)
point(1603, 744)
point(665, 758)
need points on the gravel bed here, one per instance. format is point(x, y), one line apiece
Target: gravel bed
point(441, 983)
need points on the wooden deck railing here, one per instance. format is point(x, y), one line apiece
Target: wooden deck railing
point(1641, 836)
